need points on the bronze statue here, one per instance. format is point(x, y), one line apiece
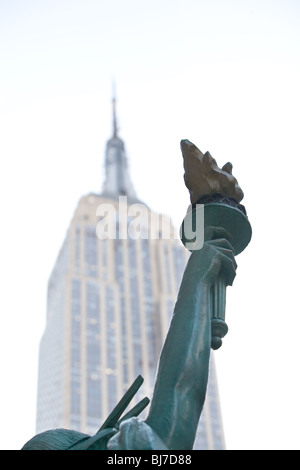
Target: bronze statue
point(182, 375)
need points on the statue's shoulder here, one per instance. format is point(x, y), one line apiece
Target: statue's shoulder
point(67, 439)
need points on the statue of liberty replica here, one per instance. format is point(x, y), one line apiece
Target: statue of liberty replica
point(215, 230)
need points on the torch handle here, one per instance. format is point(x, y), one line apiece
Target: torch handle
point(235, 222)
point(218, 304)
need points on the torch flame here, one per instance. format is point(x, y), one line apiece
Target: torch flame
point(203, 176)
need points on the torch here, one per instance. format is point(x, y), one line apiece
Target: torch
point(215, 204)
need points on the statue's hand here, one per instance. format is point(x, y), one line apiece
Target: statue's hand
point(214, 260)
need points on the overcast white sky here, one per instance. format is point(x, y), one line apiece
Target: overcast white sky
point(224, 74)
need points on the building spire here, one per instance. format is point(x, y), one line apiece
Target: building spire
point(115, 126)
point(117, 180)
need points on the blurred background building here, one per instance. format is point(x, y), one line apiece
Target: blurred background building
point(110, 301)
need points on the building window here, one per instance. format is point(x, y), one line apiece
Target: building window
point(77, 247)
point(149, 308)
point(166, 258)
point(91, 251)
point(179, 258)
point(110, 329)
point(93, 353)
point(134, 307)
point(75, 351)
point(119, 275)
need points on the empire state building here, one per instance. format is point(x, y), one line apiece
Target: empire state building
point(111, 296)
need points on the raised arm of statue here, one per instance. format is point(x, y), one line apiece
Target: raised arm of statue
point(183, 369)
point(182, 376)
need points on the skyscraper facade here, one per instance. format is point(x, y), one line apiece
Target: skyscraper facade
point(111, 296)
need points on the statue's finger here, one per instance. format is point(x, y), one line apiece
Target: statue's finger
point(214, 233)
